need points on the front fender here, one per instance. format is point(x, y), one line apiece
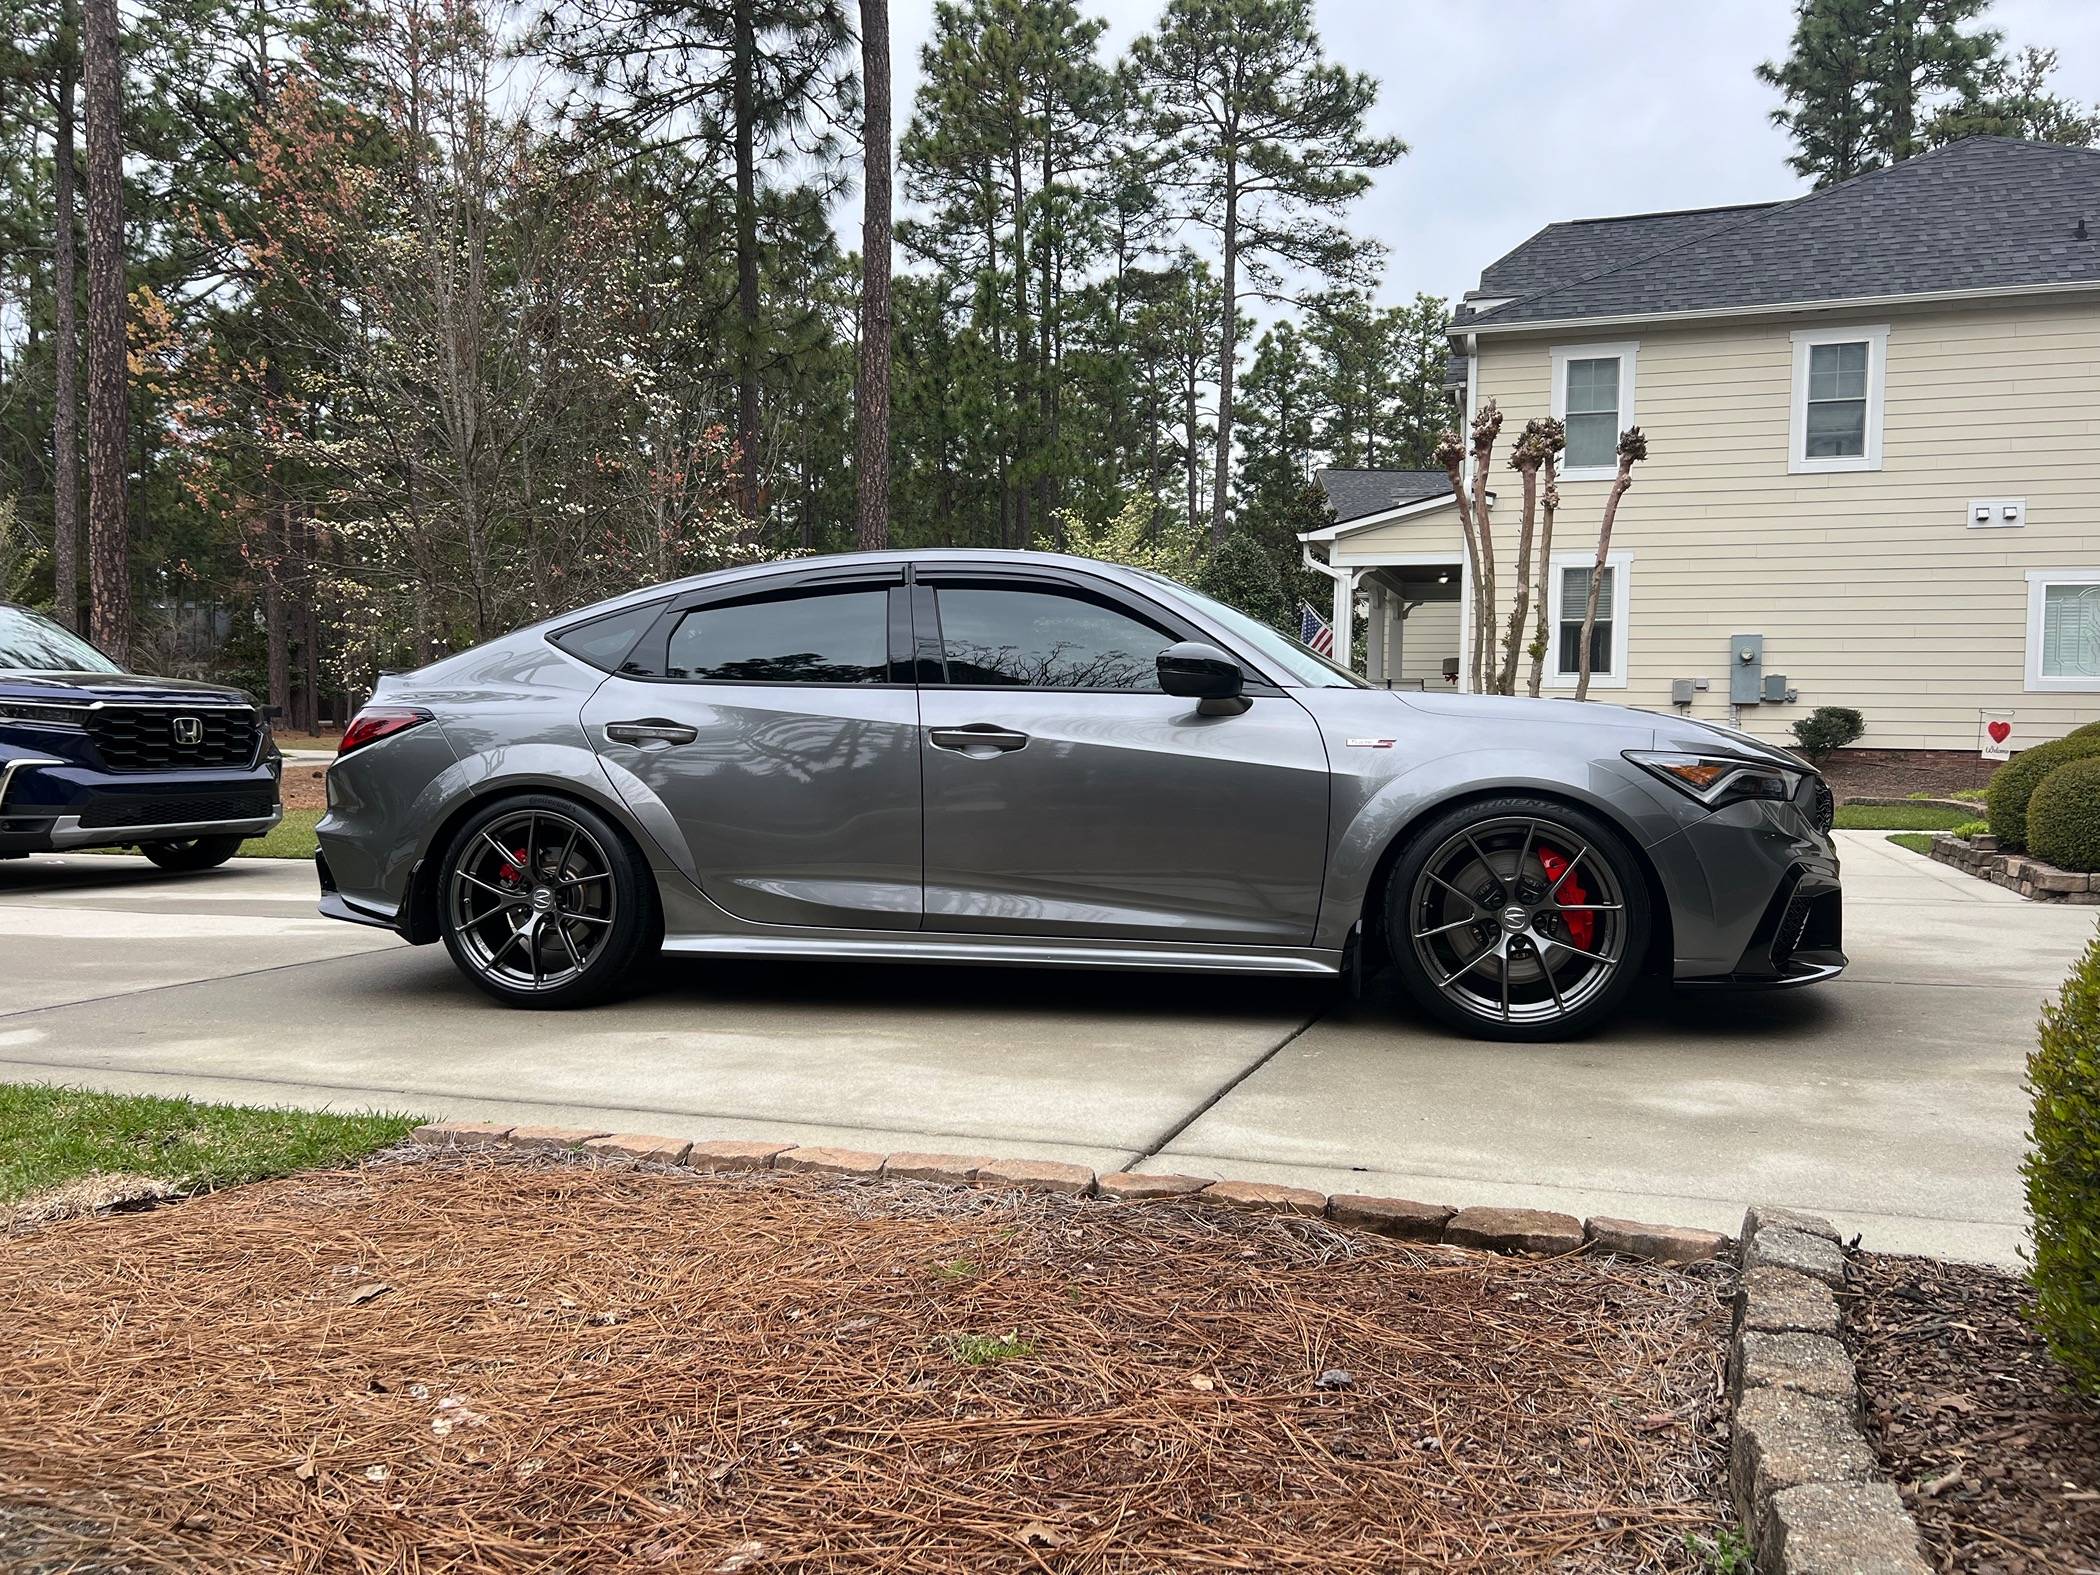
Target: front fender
point(1374, 812)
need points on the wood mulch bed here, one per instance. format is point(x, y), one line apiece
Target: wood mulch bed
point(1998, 1463)
point(1899, 773)
point(528, 1364)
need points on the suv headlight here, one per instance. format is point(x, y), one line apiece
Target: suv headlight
point(1719, 780)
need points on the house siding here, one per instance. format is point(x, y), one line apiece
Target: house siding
point(1870, 587)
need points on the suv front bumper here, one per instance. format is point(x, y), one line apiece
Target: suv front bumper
point(49, 805)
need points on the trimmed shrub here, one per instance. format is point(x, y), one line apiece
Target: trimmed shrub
point(2062, 1171)
point(2090, 730)
point(2013, 784)
point(1828, 728)
point(2063, 816)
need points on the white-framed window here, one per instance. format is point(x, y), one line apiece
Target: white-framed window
point(1836, 421)
point(2063, 630)
point(1568, 592)
point(1593, 397)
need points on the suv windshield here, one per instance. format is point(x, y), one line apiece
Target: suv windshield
point(30, 642)
point(1308, 667)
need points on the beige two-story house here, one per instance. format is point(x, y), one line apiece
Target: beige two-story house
point(1873, 417)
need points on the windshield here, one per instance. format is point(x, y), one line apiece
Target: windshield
point(30, 642)
point(1306, 666)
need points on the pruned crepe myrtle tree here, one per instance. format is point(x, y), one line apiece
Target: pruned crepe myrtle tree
point(1536, 459)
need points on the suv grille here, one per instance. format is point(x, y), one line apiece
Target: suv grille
point(184, 810)
point(145, 737)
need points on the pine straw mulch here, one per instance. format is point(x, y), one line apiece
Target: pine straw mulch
point(515, 1364)
point(1999, 1464)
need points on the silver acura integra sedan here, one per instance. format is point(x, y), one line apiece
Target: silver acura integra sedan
point(1020, 758)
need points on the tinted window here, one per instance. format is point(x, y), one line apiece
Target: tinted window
point(839, 638)
point(605, 642)
point(1044, 640)
point(33, 643)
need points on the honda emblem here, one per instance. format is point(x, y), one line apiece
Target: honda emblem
point(189, 730)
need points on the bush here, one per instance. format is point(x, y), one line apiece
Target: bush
point(2090, 730)
point(2013, 784)
point(2062, 1170)
point(1239, 574)
point(1969, 829)
point(1828, 728)
point(2063, 816)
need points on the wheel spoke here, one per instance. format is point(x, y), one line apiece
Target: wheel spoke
point(1589, 907)
point(561, 867)
point(575, 957)
point(1531, 830)
point(1560, 1007)
point(587, 918)
point(1490, 950)
point(510, 898)
point(1445, 929)
point(1465, 897)
point(1553, 892)
point(581, 880)
point(1570, 946)
point(1484, 864)
point(1505, 981)
point(508, 855)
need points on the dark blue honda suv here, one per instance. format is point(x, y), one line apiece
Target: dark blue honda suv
point(92, 756)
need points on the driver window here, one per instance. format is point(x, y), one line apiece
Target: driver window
point(1045, 639)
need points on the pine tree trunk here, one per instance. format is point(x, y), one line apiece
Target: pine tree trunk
point(745, 109)
point(65, 417)
point(871, 395)
point(1228, 350)
point(109, 547)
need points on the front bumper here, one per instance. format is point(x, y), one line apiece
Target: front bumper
point(1754, 899)
point(52, 805)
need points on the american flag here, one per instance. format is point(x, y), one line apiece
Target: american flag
point(1313, 630)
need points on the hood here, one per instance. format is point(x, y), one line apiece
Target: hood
point(1670, 730)
point(1681, 732)
point(75, 688)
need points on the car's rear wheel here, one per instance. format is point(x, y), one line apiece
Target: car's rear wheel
point(544, 903)
point(1518, 918)
point(192, 853)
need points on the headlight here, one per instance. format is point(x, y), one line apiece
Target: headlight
point(1719, 780)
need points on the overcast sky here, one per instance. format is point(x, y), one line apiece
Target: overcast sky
point(1520, 112)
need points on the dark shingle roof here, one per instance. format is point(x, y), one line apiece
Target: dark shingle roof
point(1984, 213)
point(1561, 253)
point(1353, 494)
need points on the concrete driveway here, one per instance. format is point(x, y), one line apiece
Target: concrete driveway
point(1890, 1100)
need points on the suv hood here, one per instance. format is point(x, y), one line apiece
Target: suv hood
point(75, 688)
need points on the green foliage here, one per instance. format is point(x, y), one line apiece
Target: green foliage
point(1724, 1554)
point(20, 558)
point(2090, 730)
point(1968, 830)
point(2013, 99)
point(1828, 728)
point(1137, 537)
point(2062, 1171)
point(1241, 575)
point(2013, 784)
point(2063, 816)
point(50, 1136)
point(1860, 75)
point(989, 1350)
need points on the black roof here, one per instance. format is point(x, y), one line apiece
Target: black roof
point(1354, 494)
point(1980, 214)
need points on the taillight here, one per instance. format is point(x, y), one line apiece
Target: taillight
point(375, 722)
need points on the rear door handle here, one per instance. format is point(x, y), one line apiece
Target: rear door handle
point(978, 736)
point(650, 730)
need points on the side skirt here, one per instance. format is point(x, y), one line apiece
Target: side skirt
point(1011, 952)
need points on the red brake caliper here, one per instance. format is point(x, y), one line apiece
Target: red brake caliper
point(1582, 927)
point(516, 867)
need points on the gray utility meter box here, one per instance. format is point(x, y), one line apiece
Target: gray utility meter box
point(1746, 669)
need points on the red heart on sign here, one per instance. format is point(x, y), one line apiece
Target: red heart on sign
point(1999, 731)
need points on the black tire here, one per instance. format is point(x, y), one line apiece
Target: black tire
point(592, 909)
point(1495, 879)
point(192, 853)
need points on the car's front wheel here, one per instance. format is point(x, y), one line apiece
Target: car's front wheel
point(1518, 918)
point(192, 853)
point(544, 903)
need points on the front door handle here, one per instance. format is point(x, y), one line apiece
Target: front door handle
point(650, 730)
point(978, 737)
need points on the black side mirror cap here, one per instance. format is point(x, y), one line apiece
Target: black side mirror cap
point(1198, 671)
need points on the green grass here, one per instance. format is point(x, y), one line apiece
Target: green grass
point(1916, 841)
point(1899, 817)
point(291, 838)
point(1965, 795)
point(52, 1136)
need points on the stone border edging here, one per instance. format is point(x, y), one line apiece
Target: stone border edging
point(2021, 873)
point(1538, 1233)
point(1804, 1478)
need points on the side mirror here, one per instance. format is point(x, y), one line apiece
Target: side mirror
point(1198, 671)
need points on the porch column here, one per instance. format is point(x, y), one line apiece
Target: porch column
point(1344, 619)
point(1374, 643)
